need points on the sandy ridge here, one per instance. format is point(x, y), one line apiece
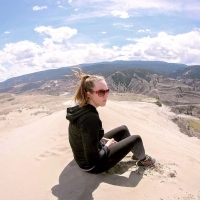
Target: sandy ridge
point(36, 160)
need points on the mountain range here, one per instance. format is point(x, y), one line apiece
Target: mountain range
point(171, 84)
point(176, 85)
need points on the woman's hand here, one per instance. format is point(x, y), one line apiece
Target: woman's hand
point(105, 139)
point(110, 142)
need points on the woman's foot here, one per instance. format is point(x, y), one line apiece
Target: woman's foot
point(147, 162)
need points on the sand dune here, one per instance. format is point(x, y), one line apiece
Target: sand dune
point(36, 161)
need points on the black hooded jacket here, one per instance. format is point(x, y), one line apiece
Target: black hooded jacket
point(85, 134)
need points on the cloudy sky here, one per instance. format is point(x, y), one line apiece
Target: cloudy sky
point(37, 35)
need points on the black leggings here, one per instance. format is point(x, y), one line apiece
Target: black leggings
point(118, 151)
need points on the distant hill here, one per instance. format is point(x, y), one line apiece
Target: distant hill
point(104, 68)
point(107, 68)
point(189, 72)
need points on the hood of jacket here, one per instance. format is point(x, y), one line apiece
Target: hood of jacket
point(75, 112)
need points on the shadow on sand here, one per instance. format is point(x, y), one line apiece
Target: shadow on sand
point(75, 184)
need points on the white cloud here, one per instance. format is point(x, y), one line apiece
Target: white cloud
point(6, 32)
point(36, 8)
point(123, 25)
point(57, 35)
point(143, 31)
point(76, 9)
point(121, 14)
point(130, 39)
point(181, 48)
point(103, 32)
point(2, 69)
point(19, 58)
point(58, 2)
point(143, 4)
point(62, 7)
point(26, 57)
point(69, 1)
point(131, 8)
point(115, 47)
point(87, 15)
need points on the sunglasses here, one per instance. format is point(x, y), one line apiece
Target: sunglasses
point(102, 92)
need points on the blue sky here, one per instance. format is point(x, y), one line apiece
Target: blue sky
point(38, 35)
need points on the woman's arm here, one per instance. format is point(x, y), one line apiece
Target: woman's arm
point(90, 139)
point(109, 142)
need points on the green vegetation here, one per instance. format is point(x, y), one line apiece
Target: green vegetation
point(195, 125)
point(122, 79)
point(180, 89)
point(10, 99)
point(189, 111)
point(192, 72)
point(157, 97)
point(158, 103)
point(53, 93)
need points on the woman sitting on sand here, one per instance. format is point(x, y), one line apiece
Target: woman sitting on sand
point(94, 151)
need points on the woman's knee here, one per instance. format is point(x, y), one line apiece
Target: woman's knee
point(136, 137)
point(124, 128)
point(124, 131)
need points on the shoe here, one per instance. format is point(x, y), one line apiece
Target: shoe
point(148, 162)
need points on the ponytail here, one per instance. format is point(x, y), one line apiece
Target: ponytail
point(86, 84)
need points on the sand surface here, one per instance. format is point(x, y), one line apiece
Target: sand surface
point(36, 161)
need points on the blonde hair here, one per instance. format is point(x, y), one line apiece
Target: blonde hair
point(86, 84)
